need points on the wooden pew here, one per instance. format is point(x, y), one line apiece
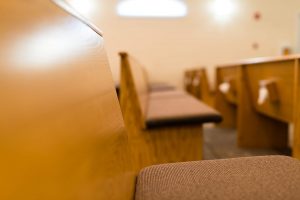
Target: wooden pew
point(61, 129)
point(265, 92)
point(268, 98)
point(226, 98)
point(153, 87)
point(163, 126)
point(188, 81)
point(197, 84)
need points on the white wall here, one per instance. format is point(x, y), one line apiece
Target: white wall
point(298, 35)
point(169, 46)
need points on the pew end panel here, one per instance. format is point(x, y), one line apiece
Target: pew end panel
point(296, 143)
point(200, 86)
point(266, 125)
point(188, 80)
point(226, 100)
point(272, 86)
point(61, 130)
point(155, 146)
point(165, 145)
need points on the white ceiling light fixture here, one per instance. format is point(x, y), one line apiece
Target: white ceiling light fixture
point(152, 8)
point(84, 7)
point(223, 10)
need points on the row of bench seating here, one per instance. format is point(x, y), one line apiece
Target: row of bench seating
point(62, 133)
point(165, 124)
point(260, 98)
point(224, 98)
point(267, 98)
point(196, 83)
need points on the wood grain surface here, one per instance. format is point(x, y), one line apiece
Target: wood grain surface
point(200, 87)
point(61, 129)
point(159, 145)
point(226, 103)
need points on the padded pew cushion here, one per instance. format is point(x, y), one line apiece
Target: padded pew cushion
point(160, 87)
point(178, 109)
point(167, 94)
point(263, 178)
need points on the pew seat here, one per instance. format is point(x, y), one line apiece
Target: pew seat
point(264, 178)
point(178, 109)
point(166, 94)
point(164, 125)
point(154, 87)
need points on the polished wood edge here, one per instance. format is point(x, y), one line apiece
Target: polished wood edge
point(260, 60)
point(69, 9)
point(196, 68)
point(228, 66)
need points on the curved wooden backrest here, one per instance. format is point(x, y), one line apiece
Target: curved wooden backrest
point(134, 82)
point(61, 130)
point(201, 86)
point(188, 79)
point(228, 75)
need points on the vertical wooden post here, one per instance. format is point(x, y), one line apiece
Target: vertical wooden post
point(296, 144)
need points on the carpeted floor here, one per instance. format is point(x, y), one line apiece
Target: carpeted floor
point(221, 143)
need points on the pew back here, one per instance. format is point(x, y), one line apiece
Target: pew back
point(226, 97)
point(61, 129)
point(199, 86)
point(269, 98)
point(187, 80)
point(271, 85)
point(228, 75)
point(138, 82)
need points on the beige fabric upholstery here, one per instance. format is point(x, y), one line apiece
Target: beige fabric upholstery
point(178, 109)
point(167, 94)
point(160, 87)
point(257, 178)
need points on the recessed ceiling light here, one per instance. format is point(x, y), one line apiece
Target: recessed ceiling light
point(152, 8)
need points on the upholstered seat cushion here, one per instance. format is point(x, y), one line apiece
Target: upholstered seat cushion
point(177, 109)
point(256, 178)
point(167, 94)
point(160, 87)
